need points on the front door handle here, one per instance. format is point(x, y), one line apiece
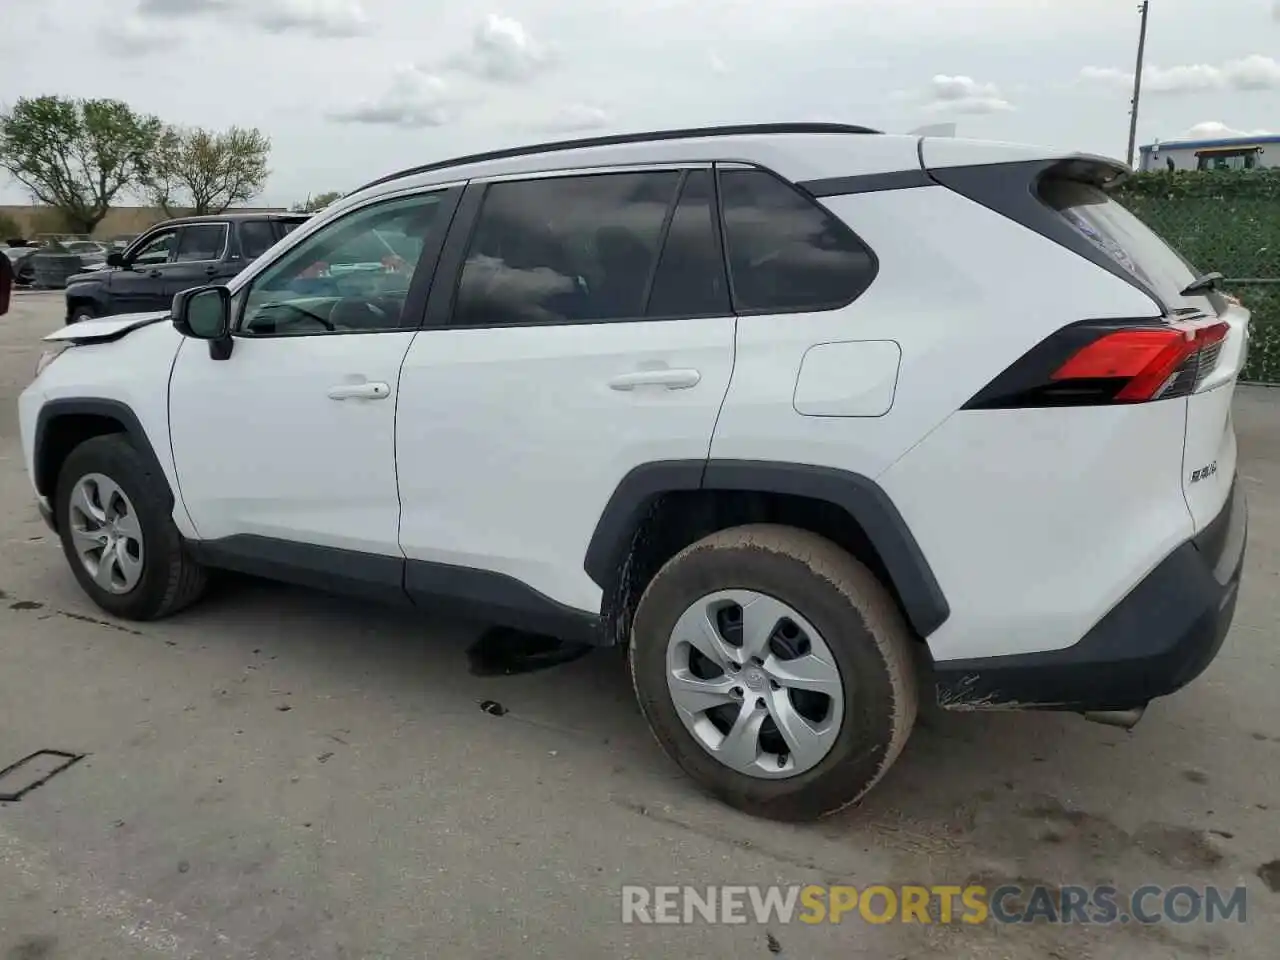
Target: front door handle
point(663, 377)
point(360, 391)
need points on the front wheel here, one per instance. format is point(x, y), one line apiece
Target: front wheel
point(81, 313)
point(775, 669)
point(117, 533)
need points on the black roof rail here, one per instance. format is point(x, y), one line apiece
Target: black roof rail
point(690, 133)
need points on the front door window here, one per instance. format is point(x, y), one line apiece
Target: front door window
point(352, 275)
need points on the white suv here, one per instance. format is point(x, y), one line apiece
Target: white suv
point(797, 412)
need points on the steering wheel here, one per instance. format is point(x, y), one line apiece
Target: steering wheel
point(356, 313)
point(303, 312)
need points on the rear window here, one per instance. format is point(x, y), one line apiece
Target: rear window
point(256, 238)
point(1119, 234)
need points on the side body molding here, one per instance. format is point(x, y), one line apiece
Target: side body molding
point(860, 497)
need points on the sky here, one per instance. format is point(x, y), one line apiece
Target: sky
point(349, 90)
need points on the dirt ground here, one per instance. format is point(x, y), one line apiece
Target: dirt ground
point(281, 774)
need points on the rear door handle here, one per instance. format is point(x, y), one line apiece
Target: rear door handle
point(360, 391)
point(671, 379)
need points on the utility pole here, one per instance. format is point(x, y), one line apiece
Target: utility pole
point(1137, 81)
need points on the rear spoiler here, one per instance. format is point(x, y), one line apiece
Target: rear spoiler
point(1007, 181)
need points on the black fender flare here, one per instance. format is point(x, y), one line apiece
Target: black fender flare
point(860, 497)
point(45, 475)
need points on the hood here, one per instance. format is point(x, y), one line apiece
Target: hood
point(106, 328)
point(92, 272)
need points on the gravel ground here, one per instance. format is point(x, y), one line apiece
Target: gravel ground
point(280, 774)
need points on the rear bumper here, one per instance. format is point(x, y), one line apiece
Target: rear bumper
point(1156, 640)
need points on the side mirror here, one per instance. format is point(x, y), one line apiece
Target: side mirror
point(115, 259)
point(204, 313)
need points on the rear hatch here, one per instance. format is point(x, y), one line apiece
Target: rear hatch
point(1208, 376)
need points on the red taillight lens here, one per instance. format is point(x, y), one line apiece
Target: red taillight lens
point(1150, 359)
point(1099, 362)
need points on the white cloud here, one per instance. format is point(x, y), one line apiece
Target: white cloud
point(135, 37)
point(1255, 72)
point(965, 95)
point(502, 50)
point(718, 66)
point(181, 8)
point(413, 99)
point(316, 18)
point(574, 117)
point(1213, 130)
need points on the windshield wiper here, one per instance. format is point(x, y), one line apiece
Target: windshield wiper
point(1208, 281)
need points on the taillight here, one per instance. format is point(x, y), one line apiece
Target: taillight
point(1109, 362)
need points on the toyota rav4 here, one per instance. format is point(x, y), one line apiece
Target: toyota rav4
point(801, 414)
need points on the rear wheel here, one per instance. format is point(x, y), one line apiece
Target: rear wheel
point(118, 535)
point(775, 669)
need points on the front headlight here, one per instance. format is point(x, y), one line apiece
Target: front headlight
point(49, 356)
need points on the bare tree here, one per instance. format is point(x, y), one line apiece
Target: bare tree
point(314, 204)
point(200, 171)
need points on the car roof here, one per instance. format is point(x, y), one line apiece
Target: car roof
point(234, 217)
point(588, 143)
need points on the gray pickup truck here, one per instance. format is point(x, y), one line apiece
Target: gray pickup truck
point(173, 256)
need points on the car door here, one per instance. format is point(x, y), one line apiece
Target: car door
point(199, 257)
point(590, 334)
point(139, 285)
point(285, 450)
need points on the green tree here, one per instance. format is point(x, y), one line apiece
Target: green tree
point(201, 171)
point(9, 228)
point(318, 202)
point(77, 155)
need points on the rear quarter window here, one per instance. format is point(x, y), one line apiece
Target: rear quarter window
point(787, 253)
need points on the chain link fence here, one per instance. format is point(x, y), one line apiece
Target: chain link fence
point(1228, 222)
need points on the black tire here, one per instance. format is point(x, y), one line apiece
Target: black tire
point(82, 312)
point(853, 612)
point(170, 578)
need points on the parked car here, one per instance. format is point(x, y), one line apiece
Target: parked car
point(795, 412)
point(24, 269)
point(93, 255)
point(173, 256)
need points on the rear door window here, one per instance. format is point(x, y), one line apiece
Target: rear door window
point(574, 249)
point(690, 280)
point(787, 253)
point(1118, 233)
point(200, 242)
